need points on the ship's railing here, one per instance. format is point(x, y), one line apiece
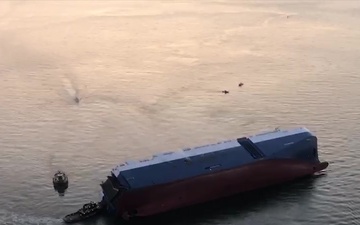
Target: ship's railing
point(189, 152)
point(277, 129)
point(170, 156)
point(277, 133)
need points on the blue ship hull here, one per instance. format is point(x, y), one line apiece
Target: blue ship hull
point(178, 179)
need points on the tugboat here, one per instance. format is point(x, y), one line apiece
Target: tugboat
point(88, 210)
point(60, 179)
point(60, 182)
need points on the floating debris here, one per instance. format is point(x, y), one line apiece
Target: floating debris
point(241, 84)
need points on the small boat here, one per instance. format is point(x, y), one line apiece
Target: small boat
point(88, 210)
point(77, 100)
point(60, 180)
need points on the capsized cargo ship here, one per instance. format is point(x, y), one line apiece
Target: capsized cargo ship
point(196, 175)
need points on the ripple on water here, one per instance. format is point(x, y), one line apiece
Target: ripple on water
point(152, 83)
point(11, 218)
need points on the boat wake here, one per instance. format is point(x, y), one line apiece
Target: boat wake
point(11, 218)
point(72, 89)
point(319, 174)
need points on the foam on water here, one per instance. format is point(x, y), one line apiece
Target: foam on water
point(11, 218)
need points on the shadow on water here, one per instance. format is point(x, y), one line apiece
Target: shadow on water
point(61, 191)
point(236, 206)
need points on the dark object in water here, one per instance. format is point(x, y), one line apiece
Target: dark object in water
point(60, 180)
point(77, 99)
point(225, 91)
point(241, 84)
point(88, 210)
point(61, 190)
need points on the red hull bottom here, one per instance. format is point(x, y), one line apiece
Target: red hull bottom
point(163, 198)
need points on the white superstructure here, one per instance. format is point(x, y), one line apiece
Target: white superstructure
point(188, 152)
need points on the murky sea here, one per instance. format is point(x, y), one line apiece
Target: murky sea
point(149, 76)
